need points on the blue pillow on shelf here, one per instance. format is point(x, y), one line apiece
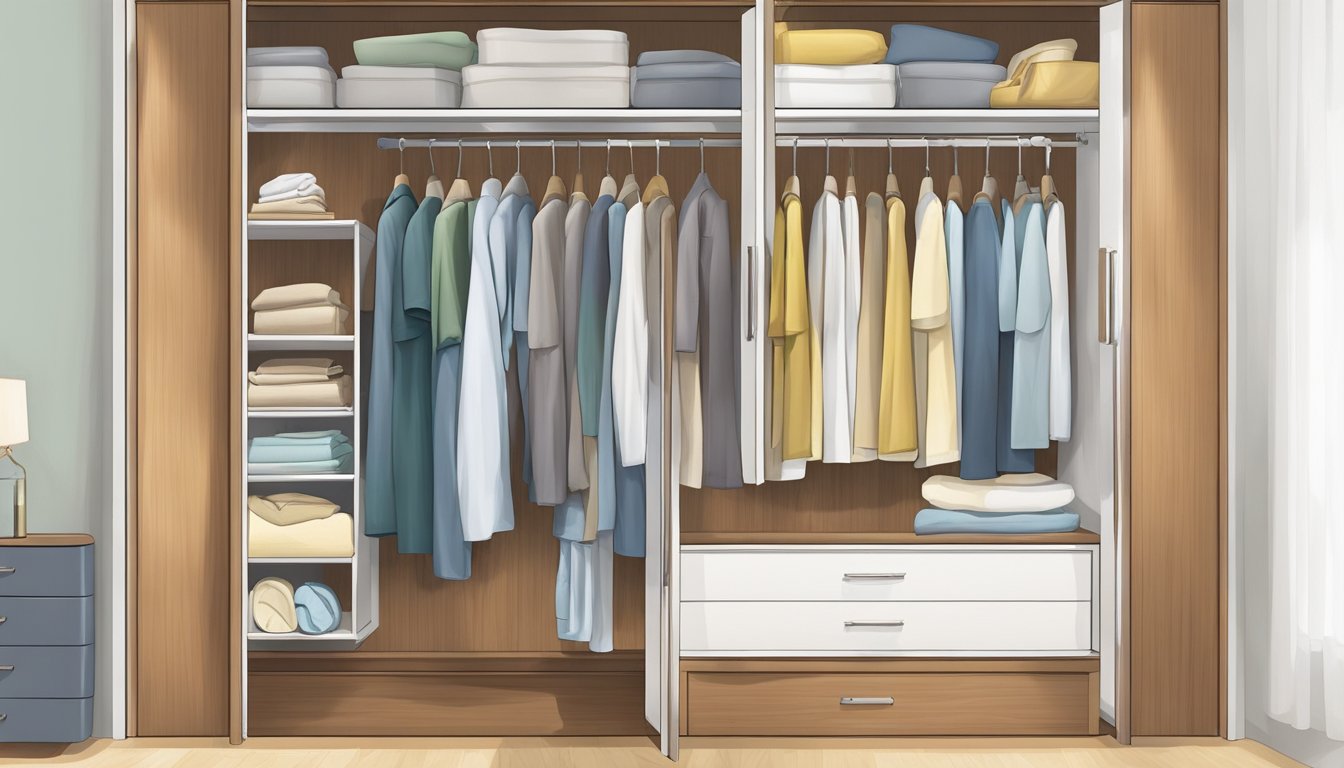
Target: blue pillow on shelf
point(916, 42)
point(318, 608)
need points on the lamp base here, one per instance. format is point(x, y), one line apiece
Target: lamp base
point(20, 495)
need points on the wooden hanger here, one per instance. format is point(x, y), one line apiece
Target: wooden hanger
point(433, 187)
point(402, 178)
point(555, 188)
point(578, 174)
point(1021, 189)
point(608, 185)
point(830, 184)
point(954, 190)
point(1048, 194)
point(657, 185)
point(989, 189)
point(893, 186)
point(851, 186)
point(792, 186)
point(460, 188)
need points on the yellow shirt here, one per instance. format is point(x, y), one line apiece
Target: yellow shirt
point(791, 387)
point(897, 436)
point(930, 316)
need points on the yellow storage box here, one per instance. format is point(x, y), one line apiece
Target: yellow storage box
point(1051, 85)
point(831, 47)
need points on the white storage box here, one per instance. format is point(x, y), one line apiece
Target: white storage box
point(291, 87)
point(553, 47)
point(808, 86)
point(946, 84)
point(398, 88)
point(288, 56)
point(486, 86)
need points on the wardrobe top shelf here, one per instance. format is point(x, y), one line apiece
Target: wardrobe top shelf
point(504, 121)
point(335, 229)
point(935, 122)
point(1080, 536)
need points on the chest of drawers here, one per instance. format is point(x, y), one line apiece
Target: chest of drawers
point(46, 638)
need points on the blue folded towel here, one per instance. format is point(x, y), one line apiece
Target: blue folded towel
point(325, 437)
point(324, 450)
point(318, 608)
point(934, 520)
point(916, 42)
point(338, 466)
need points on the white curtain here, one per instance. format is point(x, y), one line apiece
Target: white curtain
point(1292, 61)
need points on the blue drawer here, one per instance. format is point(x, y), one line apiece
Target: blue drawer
point(46, 620)
point(46, 571)
point(61, 720)
point(53, 672)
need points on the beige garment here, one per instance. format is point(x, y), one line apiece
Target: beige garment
point(872, 309)
point(332, 536)
point(590, 512)
point(291, 508)
point(297, 295)
point(323, 366)
point(691, 469)
point(301, 321)
point(308, 204)
point(930, 321)
point(268, 379)
point(322, 216)
point(327, 394)
point(273, 606)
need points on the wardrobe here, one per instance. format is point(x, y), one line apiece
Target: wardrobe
point(1143, 178)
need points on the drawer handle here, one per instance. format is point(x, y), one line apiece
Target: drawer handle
point(5, 570)
point(867, 701)
point(891, 623)
point(874, 576)
point(6, 667)
point(3, 717)
point(3, 619)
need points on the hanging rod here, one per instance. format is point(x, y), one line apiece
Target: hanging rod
point(906, 142)
point(502, 143)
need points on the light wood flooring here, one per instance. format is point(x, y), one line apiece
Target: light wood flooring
point(1100, 752)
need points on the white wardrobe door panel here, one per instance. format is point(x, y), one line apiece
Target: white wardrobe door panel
point(803, 628)
point(877, 575)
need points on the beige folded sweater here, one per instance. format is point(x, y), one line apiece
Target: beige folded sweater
point(332, 536)
point(309, 204)
point(325, 394)
point(301, 321)
point(323, 365)
point(291, 508)
point(297, 295)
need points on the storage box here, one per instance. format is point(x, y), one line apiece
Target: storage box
point(498, 86)
point(291, 87)
point(946, 84)
point(399, 88)
point(687, 85)
point(804, 86)
point(288, 56)
point(553, 47)
point(445, 50)
point(916, 42)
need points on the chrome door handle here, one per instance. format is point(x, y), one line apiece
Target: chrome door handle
point(3, 717)
point(751, 293)
point(890, 623)
point(1106, 296)
point(3, 619)
point(5, 570)
point(874, 576)
point(867, 701)
point(6, 667)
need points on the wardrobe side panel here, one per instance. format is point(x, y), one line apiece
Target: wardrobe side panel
point(182, 529)
point(1174, 547)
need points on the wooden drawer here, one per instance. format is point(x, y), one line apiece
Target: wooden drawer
point(839, 628)
point(46, 620)
point(905, 704)
point(41, 571)
point(920, 573)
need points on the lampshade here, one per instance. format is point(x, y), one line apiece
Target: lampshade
point(13, 412)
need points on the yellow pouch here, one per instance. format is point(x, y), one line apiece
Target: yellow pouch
point(1051, 85)
point(833, 47)
point(1051, 50)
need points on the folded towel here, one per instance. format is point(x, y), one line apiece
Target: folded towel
point(268, 379)
point(331, 536)
point(287, 181)
point(325, 394)
point(327, 437)
point(301, 321)
point(273, 606)
point(291, 508)
point(306, 204)
point(322, 216)
point(962, 521)
point(312, 190)
point(286, 454)
point(1007, 493)
point(296, 296)
point(333, 467)
point(323, 365)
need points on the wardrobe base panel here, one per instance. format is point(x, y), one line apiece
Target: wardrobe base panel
point(935, 698)
point(421, 703)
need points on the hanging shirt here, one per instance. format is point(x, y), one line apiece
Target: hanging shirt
point(930, 318)
point(1010, 460)
point(831, 441)
point(630, 356)
point(1031, 344)
point(574, 588)
point(791, 334)
point(522, 283)
point(897, 434)
point(980, 369)
point(576, 231)
point(1061, 366)
point(706, 322)
point(449, 276)
point(621, 491)
point(686, 356)
point(380, 500)
point(484, 487)
point(547, 390)
point(868, 370)
point(515, 243)
point(954, 223)
point(853, 243)
point(594, 284)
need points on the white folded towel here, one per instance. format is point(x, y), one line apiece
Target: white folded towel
point(1007, 493)
point(312, 190)
point(286, 182)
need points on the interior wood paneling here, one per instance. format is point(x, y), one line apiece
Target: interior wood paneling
point(877, 498)
point(183, 365)
point(1175, 268)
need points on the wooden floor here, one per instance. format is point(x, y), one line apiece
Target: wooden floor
point(1098, 752)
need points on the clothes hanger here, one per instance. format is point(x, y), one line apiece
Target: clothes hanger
point(1021, 189)
point(926, 184)
point(657, 185)
point(402, 178)
point(461, 188)
point(578, 174)
point(517, 185)
point(791, 186)
point(893, 187)
point(608, 186)
point(433, 187)
point(851, 187)
point(1048, 194)
point(630, 187)
point(989, 190)
point(829, 184)
point(555, 188)
point(954, 184)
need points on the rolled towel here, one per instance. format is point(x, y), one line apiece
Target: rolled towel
point(326, 394)
point(318, 609)
point(312, 190)
point(962, 521)
point(301, 321)
point(273, 606)
point(286, 182)
point(1006, 493)
point(291, 508)
point(296, 296)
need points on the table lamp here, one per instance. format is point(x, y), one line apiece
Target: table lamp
point(13, 431)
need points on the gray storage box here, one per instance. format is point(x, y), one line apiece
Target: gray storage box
point(687, 85)
point(946, 84)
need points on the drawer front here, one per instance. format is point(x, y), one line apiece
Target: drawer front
point(53, 672)
point(896, 704)
point(46, 571)
point(868, 627)
point(46, 620)
point(61, 720)
point(746, 575)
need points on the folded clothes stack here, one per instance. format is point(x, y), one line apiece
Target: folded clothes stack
point(1026, 503)
point(298, 383)
point(291, 196)
point(300, 453)
point(279, 608)
point(1045, 76)
point(291, 76)
point(419, 71)
point(296, 524)
point(301, 309)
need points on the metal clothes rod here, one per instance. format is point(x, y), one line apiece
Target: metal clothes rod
point(871, 142)
point(397, 143)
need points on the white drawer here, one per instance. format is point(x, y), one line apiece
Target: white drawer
point(886, 574)
point(870, 627)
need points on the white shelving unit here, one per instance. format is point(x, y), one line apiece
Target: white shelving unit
point(935, 122)
point(503, 121)
point(361, 615)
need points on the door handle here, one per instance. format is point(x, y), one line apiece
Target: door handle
point(874, 576)
point(5, 570)
point(6, 667)
point(867, 701)
point(1106, 296)
point(751, 293)
point(889, 623)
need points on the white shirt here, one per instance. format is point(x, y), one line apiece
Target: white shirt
point(853, 240)
point(1061, 366)
point(826, 289)
point(630, 351)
